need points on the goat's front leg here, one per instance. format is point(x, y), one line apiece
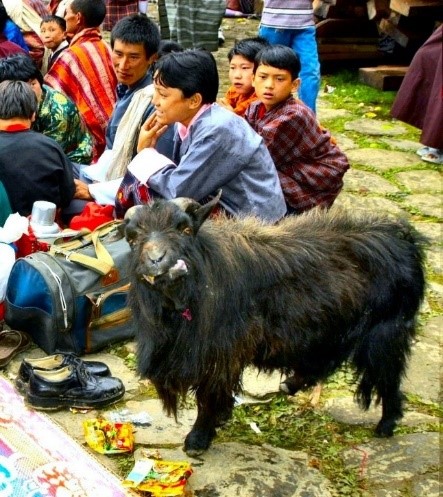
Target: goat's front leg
point(213, 409)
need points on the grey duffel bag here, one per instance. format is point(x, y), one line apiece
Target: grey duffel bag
point(74, 297)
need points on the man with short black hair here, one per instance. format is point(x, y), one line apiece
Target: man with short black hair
point(135, 41)
point(32, 166)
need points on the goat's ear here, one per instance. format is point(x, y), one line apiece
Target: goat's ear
point(200, 213)
point(127, 227)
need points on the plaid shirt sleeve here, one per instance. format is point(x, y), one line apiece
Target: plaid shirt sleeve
point(131, 192)
point(310, 166)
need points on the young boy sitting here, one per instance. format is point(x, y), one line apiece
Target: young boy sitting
point(241, 58)
point(213, 147)
point(53, 35)
point(310, 166)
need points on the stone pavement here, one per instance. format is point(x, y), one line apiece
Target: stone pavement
point(394, 181)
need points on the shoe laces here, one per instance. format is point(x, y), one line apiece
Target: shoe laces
point(83, 375)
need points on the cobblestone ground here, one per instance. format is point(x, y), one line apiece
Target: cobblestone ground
point(394, 181)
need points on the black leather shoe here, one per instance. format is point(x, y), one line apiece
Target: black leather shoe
point(72, 386)
point(54, 362)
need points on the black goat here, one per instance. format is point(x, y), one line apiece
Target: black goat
point(301, 297)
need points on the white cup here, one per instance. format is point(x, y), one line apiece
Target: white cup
point(43, 219)
point(43, 213)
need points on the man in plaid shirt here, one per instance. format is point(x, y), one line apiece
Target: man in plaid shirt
point(309, 164)
point(116, 10)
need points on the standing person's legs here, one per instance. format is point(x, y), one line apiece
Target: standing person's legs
point(168, 24)
point(276, 36)
point(304, 45)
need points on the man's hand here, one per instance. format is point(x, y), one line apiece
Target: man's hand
point(82, 190)
point(150, 132)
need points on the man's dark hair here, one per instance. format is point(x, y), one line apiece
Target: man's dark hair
point(279, 56)
point(137, 30)
point(191, 71)
point(248, 48)
point(168, 46)
point(57, 19)
point(19, 67)
point(17, 100)
point(93, 11)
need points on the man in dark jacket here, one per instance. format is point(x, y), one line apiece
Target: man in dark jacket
point(32, 166)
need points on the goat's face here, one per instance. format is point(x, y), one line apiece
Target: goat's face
point(160, 234)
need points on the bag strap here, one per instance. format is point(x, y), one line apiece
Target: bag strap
point(103, 263)
point(94, 263)
point(79, 240)
point(84, 237)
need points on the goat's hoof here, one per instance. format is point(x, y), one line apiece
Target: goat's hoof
point(385, 429)
point(198, 442)
point(194, 452)
point(285, 388)
point(288, 387)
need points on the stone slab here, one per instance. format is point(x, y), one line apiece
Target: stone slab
point(405, 145)
point(434, 258)
point(421, 181)
point(382, 160)
point(429, 205)
point(233, 469)
point(260, 385)
point(364, 205)
point(435, 290)
point(396, 466)
point(432, 231)
point(164, 430)
point(327, 114)
point(356, 180)
point(423, 377)
point(345, 143)
point(346, 410)
point(375, 127)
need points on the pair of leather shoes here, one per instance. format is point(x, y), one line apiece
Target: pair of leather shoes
point(72, 386)
point(54, 362)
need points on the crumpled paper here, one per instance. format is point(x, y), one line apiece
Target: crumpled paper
point(158, 477)
point(106, 437)
point(13, 229)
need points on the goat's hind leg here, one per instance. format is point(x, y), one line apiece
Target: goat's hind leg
point(381, 361)
point(213, 411)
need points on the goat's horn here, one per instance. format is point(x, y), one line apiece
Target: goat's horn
point(131, 211)
point(184, 203)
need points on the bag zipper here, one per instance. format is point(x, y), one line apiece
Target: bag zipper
point(116, 317)
point(60, 293)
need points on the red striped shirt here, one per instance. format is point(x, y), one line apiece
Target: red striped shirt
point(84, 72)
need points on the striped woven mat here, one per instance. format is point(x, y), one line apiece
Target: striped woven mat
point(38, 459)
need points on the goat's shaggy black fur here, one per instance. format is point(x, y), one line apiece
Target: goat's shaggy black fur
point(302, 297)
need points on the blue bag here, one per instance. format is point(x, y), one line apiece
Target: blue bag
point(74, 297)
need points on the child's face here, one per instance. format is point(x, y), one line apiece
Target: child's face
point(273, 85)
point(241, 72)
point(171, 106)
point(51, 34)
